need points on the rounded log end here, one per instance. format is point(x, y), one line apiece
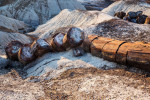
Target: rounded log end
point(26, 54)
point(73, 38)
point(12, 50)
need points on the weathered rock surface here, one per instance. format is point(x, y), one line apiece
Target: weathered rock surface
point(11, 25)
point(66, 18)
point(35, 12)
point(95, 22)
point(95, 4)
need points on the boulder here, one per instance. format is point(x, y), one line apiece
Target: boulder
point(35, 12)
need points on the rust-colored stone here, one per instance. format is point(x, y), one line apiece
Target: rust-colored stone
point(110, 49)
point(87, 42)
point(98, 44)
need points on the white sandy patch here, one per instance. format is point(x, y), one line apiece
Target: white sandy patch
point(53, 61)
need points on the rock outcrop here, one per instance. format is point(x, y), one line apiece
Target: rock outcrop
point(95, 22)
point(66, 18)
point(127, 7)
point(35, 12)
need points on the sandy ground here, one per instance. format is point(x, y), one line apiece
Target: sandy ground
point(77, 84)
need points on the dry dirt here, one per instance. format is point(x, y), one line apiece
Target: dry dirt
point(77, 84)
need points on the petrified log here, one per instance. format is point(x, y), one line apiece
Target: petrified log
point(120, 14)
point(139, 13)
point(141, 19)
point(110, 49)
point(121, 56)
point(12, 50)
point(147, 21)
point(134, 20)
point(57, 42)
point(98, 44)
point(139, 56)
point(27, 54)
point(87, 42)
point(41, 46)
point(135, 54)
point(127, 18)
point(132, 15)
point(79, 51)
point(73, 38)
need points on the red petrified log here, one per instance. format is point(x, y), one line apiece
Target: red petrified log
point(12, 50)
point(73, 38)
point(26, 54)
point(57, 42)
point(41, 46)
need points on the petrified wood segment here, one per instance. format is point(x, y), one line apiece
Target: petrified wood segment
point(26, 54)
point(41, 46)
point(73, 38)
point(98, 44)
point(121, 56)
point(57, 42)
point(139, 56)
point(87, 42)
point(12, 50)
point(110, 49)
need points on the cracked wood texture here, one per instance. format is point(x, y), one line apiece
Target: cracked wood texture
point(135, 54)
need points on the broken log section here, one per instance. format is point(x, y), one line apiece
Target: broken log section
point(135, 54)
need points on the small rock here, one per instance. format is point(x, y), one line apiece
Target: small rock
point(120, 14)
point(78, 51)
